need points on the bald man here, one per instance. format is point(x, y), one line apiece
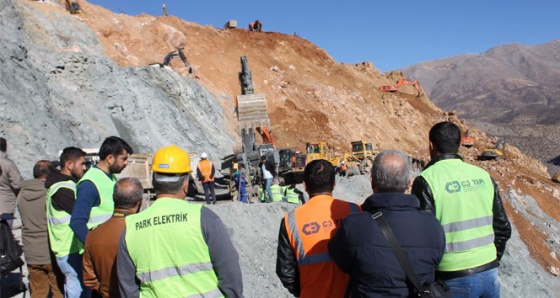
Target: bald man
point(102, 243)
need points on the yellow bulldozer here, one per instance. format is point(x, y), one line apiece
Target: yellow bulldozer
point(73, 7)
point(314, 150)
point(498, 152)
point(361, 157)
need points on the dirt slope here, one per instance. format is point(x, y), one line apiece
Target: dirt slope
point(312, 97)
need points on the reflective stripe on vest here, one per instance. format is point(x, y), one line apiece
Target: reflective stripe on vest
point(463, 200)
point(309, 227)
point(291, 196)
point(185, 269)
point(205, 167)
point(62, 239)
point(105, 186)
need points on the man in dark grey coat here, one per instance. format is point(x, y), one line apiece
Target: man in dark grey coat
point(44, 274)
point(360, 249)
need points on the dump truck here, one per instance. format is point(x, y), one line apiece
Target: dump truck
point(498, 152)
point(361, 157)
point(139, 165)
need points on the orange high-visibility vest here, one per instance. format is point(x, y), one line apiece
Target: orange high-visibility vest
point(343, 167)
point(309, 228)
point(205, 167)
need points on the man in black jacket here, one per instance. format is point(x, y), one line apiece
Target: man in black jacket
point(360, 249)
point(467, 202)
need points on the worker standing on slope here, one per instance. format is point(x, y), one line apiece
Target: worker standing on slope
point(205, 173)
point(174, 248)
point(467, 202)
point(94, 195)
point(303, 263)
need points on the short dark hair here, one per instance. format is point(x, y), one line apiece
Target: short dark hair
point(446, 137)
point(113, 146)
point(127, 192)
point(319, 176)
point(70, 154)
point(169, 187)
point(42, 169)
point(263, 157)
point(3, 144)
point(391, 171)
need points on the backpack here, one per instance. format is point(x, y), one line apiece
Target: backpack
point(10, 254)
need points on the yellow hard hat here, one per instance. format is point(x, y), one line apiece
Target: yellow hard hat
point(171, 160)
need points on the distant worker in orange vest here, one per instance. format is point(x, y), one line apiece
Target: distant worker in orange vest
point(205, 172)
point(343, 169)
point(251, 25)
point(303, 263)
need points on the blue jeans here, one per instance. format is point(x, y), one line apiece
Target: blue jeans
point(484, 284)
point(267, 186)
point(71, 267)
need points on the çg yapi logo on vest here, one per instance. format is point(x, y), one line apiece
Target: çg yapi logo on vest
point(453, 186)
point(311, 228)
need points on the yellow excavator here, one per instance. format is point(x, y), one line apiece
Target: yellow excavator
point(498, 152)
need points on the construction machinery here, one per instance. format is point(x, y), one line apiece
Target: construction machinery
point(467, 140)
point(361, 156)
point(395, 88)
point(178, 53)
point(252, 118)
point(314, 150)
point(73, 7)
point(498, 152)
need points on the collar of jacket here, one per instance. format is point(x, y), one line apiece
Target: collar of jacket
point(444, 157)
point(390, 200)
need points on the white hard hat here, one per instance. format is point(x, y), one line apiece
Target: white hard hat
point(343, 162)
point(204, 155)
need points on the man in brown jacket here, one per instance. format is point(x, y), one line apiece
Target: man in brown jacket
point(10, 181)
point(102, 243)
point(44, 274)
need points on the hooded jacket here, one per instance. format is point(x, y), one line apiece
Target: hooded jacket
point(10, 184)
point(31, 203)
point(64, 198)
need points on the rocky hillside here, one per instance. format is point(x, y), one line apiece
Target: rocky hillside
point(73, 80)
point(511, 91)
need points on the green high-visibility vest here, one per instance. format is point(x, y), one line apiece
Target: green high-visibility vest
point(277, 192)
point(292, 196)
point(166, 245)
point(105, 185)
point(62, 239)
point(463, 199)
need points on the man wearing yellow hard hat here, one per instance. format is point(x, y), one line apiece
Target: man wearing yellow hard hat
point(175, 248)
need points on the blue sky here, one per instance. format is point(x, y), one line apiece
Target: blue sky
point(391, 34)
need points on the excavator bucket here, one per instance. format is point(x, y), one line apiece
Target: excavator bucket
point(252, 111)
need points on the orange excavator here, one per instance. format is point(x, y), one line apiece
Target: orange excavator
point(395, 88)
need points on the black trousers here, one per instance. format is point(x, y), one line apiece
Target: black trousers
point(209, 189)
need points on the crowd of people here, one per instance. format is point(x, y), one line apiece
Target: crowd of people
point(93, 241)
